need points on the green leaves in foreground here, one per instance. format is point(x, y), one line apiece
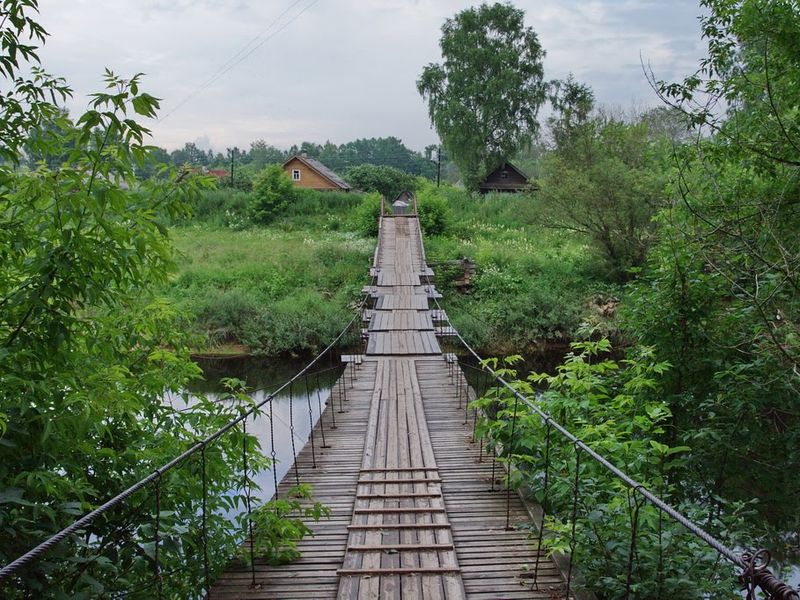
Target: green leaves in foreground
point(614, 407)
point(88, 353)
point(279, 525)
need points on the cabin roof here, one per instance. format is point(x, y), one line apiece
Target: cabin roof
point(507, 166)
point(317, 166)
point(518, 181)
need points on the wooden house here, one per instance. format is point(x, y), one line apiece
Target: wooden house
point(307, 172)
point(505, 178)
point(219, 173)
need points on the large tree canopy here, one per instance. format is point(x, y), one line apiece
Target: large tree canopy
point(484, 98)
point(720, 295)
point(87, 349)
point(604, 176)
point(386, 180)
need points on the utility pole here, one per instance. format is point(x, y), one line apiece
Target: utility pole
point(232, 152)
point(438, 165)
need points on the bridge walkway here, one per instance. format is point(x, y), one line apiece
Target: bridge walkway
point(415, 513)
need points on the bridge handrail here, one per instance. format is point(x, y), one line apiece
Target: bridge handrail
point(41, 549)
point(377, 254)
point(423, 259)
point(752, 572)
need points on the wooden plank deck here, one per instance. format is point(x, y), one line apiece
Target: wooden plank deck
point(401, 320)
point(415, 513)
point(400, 542)
point(495, 563)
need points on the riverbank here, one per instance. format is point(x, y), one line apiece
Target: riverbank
point(288, 288)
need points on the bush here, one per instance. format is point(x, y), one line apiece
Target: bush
point(272, 192)
point(434, 213)
point(616, 408)
point(242, 180)
point(383, 179)
point(367, 214)
point(279, 526)
point(223, 314)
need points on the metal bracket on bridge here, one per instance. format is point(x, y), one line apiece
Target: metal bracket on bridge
point(757, 575)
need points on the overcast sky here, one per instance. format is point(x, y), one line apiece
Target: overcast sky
point(317, 70)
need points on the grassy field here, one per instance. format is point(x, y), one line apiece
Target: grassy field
point(274, 291)
point(534, 286)
point(290, 287)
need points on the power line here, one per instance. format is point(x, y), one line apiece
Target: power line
point(243, 54)
point(232, 59)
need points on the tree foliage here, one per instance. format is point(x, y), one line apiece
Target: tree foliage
point(387, 181)
point(604, 178)
point(573, 103)
point(279, 525)
point(484, 98)
point(367, 215)
point(262, 154)
point(86, 349)
point(389, 151)
point(720, 294)
point(434, 211)
point(615, 408)
point(272, 192)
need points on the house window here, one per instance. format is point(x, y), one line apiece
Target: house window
point(504, 175)
point(296, 175)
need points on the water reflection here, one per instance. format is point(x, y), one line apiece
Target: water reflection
point(284, 425)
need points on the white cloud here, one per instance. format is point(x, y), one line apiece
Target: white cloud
point(344, 68)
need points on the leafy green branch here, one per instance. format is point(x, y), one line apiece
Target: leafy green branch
point(281, 523)
point(615, 408)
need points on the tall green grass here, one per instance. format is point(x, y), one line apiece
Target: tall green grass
point(533, 286)
point(289, 287)
point(276, 291)
point(311, 209)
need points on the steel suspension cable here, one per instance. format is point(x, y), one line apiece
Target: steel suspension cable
point(752, 563)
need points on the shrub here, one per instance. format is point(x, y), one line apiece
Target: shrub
point(225, 313)
point(434, 213)
point(616, 408)
point(242, 180)
point(272, 192)
point(365, 218)
point(279, 526)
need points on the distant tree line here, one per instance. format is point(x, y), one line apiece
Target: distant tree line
point(387, 151)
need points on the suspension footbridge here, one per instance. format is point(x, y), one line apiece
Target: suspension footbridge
point(419, 505)
point(417, 511)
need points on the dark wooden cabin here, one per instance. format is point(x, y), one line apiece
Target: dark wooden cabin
point(505, 178)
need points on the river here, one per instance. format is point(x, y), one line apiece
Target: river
point(299, 406)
